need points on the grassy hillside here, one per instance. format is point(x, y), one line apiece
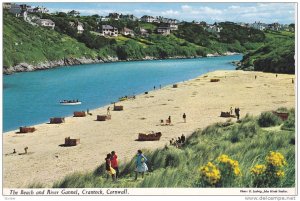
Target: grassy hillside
point(276, 55)
point(271, 51)
point(26, 43)
point(240, 156)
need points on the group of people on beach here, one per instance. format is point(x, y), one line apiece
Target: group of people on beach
point(112, 166)
point(179, 142)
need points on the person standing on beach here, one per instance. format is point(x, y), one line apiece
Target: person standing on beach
point(109, 169)
point(237, 112)
point(154, 87)
point(230, 110)
point(169, 119)
point(141, 166)
point(184, 117)
point(108, 110)
point(114, 163)
point(182, 138)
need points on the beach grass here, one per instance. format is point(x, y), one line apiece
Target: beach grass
point(174, 167)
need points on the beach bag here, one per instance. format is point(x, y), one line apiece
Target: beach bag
point(111, 171)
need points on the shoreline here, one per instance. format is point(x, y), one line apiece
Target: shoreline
point(202, 101)
point(25, 67)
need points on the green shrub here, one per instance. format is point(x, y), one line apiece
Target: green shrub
point(268, 119)
point(289, 124)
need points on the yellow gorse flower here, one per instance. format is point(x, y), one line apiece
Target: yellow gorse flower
point(210, 173)
point(276, 159)
point(280, 173)
point(258, 169)
point(233, 164)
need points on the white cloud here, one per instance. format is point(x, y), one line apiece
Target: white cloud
point(170, 12)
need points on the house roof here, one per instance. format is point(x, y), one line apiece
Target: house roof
point(127, 30)
point(107, 27)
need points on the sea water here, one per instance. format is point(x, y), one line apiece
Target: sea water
point(31, 98)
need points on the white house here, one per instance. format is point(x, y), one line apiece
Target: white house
point(147, 18)
point(164, 30)
point(78, 25)
point(173, 26)
point(108, 30)
point(213, 29)
point(102, 19)
point(127, 32)
point(46, 23)
point(259, 26)
point(6, 6)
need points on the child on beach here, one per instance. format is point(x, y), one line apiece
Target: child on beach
point(141, 166)
point(109, 169)
point(114, 163)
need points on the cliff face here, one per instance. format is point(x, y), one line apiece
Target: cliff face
point(25, 67)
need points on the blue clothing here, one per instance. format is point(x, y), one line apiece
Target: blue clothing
point(141, 165)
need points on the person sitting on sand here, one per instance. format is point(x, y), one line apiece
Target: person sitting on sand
point(141, 166)
point(108, 168)
point(114, 163)
point(184, 117)
point(26, 148)
point(14, 151)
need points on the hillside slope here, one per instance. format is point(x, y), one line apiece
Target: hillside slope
point(276, 55)
point(24, 43)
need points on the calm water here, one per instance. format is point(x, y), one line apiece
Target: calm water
point(33, 97)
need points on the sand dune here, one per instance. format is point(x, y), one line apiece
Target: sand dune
point(201, 100)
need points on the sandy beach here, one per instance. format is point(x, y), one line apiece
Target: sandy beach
point(201, 100)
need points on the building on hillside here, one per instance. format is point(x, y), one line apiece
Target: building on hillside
point(128, 17)
point(108, 30)
point(6, 6)
point(147, 18)
point(114, 16)
point(127, 32)
point(274, 26)
point(143, 32)
point(15, 9)
point(78, 26)
point(164, 30)
point(213, 28)
point(161, 19)
point(258, 25)
point(172, 26)
point(39, 9)
point(102, 19)
point(74, 13)
point(46, 23)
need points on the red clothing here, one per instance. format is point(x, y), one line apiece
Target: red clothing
point(114, 161)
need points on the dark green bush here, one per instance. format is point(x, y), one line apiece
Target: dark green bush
point(268, 119)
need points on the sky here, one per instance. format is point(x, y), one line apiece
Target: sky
point(283, 13)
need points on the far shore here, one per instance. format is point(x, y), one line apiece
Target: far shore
point(47, 161)
point(25, 67)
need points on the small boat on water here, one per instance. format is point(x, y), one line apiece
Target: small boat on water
point(70, 102)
